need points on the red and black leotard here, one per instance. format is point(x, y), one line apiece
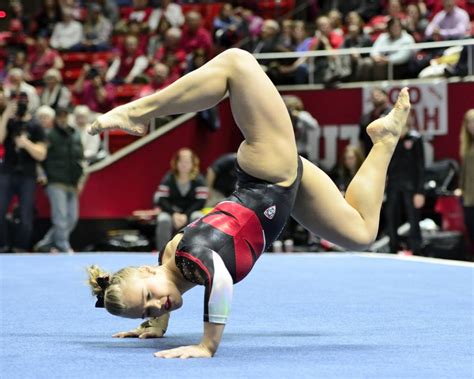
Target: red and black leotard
point(220, 248)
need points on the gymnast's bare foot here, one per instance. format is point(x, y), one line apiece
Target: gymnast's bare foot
point(120, 118)
point(387, 130)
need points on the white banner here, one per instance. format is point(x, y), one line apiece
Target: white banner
point(429, 112)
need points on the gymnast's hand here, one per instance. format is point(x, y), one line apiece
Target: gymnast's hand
point(184, 352)
point(145, 330)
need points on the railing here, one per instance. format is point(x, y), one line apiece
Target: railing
point(367, 50)
point(310, 54)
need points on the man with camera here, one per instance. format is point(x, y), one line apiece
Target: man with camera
point(92, 89)
point(24, 143)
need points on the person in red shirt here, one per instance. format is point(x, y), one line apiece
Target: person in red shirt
point(160, 76)
point(171, 53)
point(92, 89)
point(41, 59)
point(129, 64)
point(195, 36)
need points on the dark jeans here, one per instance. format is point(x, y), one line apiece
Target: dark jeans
point(397, 200)
point(24, 187)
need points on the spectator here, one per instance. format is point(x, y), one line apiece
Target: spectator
point(97, 31)
point(45, 116)
point(357, 64)
point(109, 8)
point(55, 94)
point(268, 41)
point(415, 22)
point(169, 10)
point(379, 23)
point(195, 36)
point(335, 18)
point(327, 69)
point(181, 195)
point(17, 13)
point(405, 190)
point(450, 23)
point(380, 108)
point(304, 125)
point(159, 78)
point(354, 18)
point(157, 38)
point(297, 71)
point(18, 61)
point(140, 13)
point(90, 143)
point(171, 53)
point(15, 83)
point(41, 59)
point(92, 89)
point(227, 27)
point(47, 18)
point(63, 168)
point(221, 178)
point(129, 64)
point(398, 59)
point(286, 41)
point(342, 174)
point(66, 33)
point(24, 143)
point(467, 172)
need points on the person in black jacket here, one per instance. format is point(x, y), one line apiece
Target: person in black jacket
point(405, 189)
point(64, 170)
point(181, 195)
point(24, 142)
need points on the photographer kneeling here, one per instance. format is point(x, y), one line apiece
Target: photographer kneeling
point(24, 142)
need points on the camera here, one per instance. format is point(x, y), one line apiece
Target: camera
point(22, 101)
point(93, 72)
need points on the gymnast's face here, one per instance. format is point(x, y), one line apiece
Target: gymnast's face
point(150, 294)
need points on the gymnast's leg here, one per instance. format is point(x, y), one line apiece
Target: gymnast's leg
point(352, 222)
point(269, 150)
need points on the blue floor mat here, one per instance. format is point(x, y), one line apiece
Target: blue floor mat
point(294, 316)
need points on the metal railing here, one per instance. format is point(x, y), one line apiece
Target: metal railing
point(367, 50)
point(310, 54)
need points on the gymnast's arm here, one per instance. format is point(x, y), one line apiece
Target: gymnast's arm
point(217, 300)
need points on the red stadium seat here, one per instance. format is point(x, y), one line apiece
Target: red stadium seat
point(126, 92)
point(75, 60)
point(71, 75)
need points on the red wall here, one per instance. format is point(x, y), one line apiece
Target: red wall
point(129, 184)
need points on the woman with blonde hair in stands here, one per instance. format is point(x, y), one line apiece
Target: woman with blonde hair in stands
point(467, 171)
point(220, 249)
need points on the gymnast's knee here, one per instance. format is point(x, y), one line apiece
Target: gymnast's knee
point(239, 60)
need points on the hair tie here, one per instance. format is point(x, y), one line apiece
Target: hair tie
point(103, 282)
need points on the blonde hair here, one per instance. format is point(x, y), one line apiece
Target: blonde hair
point(467, 139)
point(113, 293)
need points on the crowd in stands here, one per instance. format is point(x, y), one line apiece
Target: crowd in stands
point(105, 54)
point(76, 58)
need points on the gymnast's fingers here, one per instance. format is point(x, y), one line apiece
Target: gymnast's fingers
point(130, 334)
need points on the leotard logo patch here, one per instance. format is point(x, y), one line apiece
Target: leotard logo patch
point(270, 212)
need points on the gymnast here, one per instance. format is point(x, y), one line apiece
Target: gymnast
point(219, 249)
